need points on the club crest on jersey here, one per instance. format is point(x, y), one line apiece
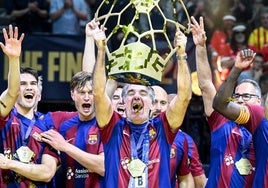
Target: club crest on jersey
point(172, 152)
point(37, 136)
point(152, 133)
point(92, 139)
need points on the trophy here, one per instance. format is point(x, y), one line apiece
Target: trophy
point(137, 58)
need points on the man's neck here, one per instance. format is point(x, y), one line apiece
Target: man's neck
point(26, 112)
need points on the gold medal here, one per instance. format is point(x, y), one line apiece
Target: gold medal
point(243, 166)
point(136, 167)
point(25, 154)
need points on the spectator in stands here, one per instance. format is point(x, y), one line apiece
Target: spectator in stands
point(254, 21)
point(220, 45)
point(222, 36)
point(263, 82)
point(90, 13)
point(66, 16)
point(238, 42)
point(259, 36)
point(203, 8)
point(255, 70)
point(225, 61)
point(30, 16)
point(241, 9)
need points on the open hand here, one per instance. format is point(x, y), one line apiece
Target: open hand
point(199, 34)
point(12, 47)
point(54, 139)
point(244, 58)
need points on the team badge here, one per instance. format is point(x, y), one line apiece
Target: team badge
point(37, 136)
point(152, 133)
point(92, 139)
point(172, 152)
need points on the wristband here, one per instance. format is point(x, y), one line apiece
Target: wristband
point(182, 57)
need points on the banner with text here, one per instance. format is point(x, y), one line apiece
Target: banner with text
point(57, 59)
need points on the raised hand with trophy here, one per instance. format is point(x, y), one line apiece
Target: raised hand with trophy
point(138, 58)
point(137, 148)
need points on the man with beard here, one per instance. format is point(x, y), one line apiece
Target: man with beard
point(25, 161)
point(137, 149)
point(77, 135)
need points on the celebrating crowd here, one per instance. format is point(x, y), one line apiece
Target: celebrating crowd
point(129, 134)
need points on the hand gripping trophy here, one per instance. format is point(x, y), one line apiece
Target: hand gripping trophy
point(138, 61)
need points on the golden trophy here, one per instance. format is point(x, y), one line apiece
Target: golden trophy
point(138, 59)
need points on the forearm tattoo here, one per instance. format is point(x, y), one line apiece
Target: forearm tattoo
point(3, 104)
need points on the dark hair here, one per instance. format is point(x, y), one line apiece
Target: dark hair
point(29, 70)
point(233, 42)
point(80, 79)
point(263, 78)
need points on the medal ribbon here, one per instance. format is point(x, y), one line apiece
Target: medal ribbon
point(25, 134)
point(144, 138)
point(245, 141)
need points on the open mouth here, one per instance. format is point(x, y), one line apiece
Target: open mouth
point(86, 106)
point(137, 107)
point(28, 96)
point(120, 109)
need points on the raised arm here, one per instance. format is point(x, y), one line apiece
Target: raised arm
point(178, 106)
point(103, 105)
point(202, 65)
point(12, 48)
point(89, 56)
point(223, 100)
